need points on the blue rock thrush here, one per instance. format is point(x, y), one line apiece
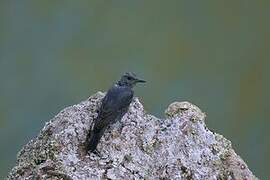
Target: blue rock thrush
point(113, 107)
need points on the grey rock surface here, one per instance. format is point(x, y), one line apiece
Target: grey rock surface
point(179, 146)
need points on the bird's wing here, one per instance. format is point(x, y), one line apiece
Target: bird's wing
point(124, 99)
point(112, 104)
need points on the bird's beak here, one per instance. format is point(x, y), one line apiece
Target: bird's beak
point(140, 81)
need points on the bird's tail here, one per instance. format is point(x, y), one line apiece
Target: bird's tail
point(93, 140)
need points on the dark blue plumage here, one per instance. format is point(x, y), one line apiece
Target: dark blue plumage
point(113, 107)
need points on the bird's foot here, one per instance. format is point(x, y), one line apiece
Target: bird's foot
point(97, 153)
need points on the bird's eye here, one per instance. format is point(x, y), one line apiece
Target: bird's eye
point(129, 78)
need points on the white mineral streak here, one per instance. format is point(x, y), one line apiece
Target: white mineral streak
point(177, 147)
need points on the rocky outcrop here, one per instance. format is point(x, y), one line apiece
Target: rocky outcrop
point(179, 146)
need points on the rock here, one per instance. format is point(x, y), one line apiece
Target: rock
point(177, 147)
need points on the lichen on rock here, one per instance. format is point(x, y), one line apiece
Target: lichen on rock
point(145, 147)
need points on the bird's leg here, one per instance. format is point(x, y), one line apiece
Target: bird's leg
point(119, 125)
point(122, 125)
point(119, 118)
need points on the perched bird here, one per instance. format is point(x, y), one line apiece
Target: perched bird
point(113, 107)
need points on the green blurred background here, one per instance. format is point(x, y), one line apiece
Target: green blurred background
point(213, 53)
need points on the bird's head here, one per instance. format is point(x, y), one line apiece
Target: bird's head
point(129, 79)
